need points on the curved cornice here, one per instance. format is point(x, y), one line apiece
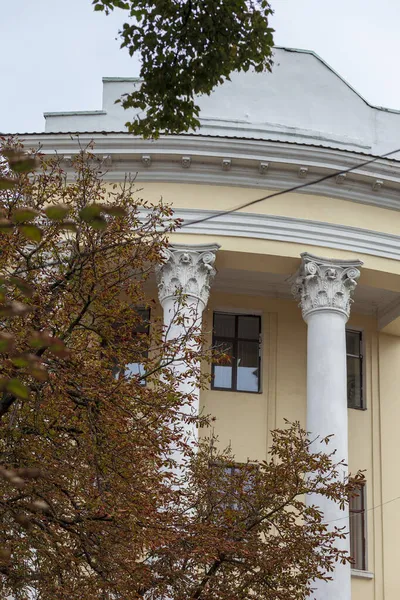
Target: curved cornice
point(288, 229)
point(236, 162)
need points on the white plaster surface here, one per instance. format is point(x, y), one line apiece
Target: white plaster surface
point(189, 269)
point(302, 100)
point(326, 415)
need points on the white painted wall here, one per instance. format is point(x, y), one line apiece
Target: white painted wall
point(302, 100)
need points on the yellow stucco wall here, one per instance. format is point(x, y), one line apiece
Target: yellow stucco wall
point(244, 420)
point(302, 206)
point(377, 271)
point(389, 391)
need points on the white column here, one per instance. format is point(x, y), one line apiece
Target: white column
point(187, 270)
point(324, 288)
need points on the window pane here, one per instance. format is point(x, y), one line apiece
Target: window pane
point(353, 339)
point(223, 373)
point(247, 366)
point(357, 530)
point(143, 325)
point(134, 369)
point(357, 502)
point(357, 540)
point(354, 392)
point(224, 325)
point(249, 327)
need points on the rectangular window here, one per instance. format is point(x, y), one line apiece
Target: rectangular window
point(135, 369)
point(358, 529)
point(232, 486)
point(238, 336)
point(355, 395)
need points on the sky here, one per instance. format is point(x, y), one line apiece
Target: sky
point(55, 52)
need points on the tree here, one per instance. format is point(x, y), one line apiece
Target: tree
point(187, 49)
point(92, 505)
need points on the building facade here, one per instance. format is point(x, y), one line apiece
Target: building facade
point(306, 289)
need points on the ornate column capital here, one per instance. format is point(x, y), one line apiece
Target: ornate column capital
point(325, 284)
point(189, 269)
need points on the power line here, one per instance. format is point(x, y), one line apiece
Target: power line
point(292, 189)
point(366, 510)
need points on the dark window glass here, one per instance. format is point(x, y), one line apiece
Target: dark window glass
point(238, 336)
point(231, 485)
point(224, 326)
point(355, 395)
point(248, 327)
point(357, 529)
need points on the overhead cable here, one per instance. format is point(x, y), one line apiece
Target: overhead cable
point(295, 188)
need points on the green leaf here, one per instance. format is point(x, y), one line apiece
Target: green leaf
point(25, 165)
point(40, 339)
point(6, 183)
point(20, 215)
point(23, 286)
point(68, 226)
point(98, 223)
point(32, 232)
point(6, 226)
point(90, 212)
point(20, 161)
point(6, 342)
point(58, 348)
point(39, 372)
point(19, 389)
point(58, 212)
point(115, 211)
point(20, 361)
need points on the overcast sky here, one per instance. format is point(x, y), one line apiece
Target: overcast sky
point(55, 52)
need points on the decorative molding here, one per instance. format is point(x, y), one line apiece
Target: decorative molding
point(377, 185)
point(325, 284)
point(303, 172)
point(107, 160)
point(188, 270)
point(362, 574)
point(289, 229)
point(186, 162)
point(341, 178)
point(146, 160)
point(284, 158)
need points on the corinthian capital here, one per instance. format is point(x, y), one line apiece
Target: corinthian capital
point(323, 284)
point(188, 270)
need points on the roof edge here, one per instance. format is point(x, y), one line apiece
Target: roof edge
point(74, 112)
point(121, 79)
point(328, 66)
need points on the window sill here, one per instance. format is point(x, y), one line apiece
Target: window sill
point(362, 574)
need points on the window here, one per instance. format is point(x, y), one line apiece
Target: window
point(233, 485)
point(136, 368)
point(358, 529)
point(238, 336)
point(355, 395)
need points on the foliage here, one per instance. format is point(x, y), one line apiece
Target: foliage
point(92, 504)
point(187, 49)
